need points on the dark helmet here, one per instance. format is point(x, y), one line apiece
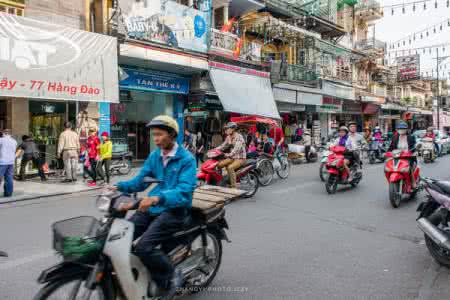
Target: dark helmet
point(402, 125)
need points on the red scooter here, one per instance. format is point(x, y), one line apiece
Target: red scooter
point(397, 171)
point(246, 175)
point(337, 174)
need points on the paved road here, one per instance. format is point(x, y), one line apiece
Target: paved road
point(292, 241)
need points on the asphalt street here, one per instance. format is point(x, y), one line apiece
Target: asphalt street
point(291, 241)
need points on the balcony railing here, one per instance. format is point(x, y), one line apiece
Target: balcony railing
point(336, 74)
point(370, 44)
point(301, 73)
point(369, 10)
point(223, 42)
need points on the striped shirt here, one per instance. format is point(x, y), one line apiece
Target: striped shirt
point(237, 141)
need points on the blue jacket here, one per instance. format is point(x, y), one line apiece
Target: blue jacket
point(179, 180)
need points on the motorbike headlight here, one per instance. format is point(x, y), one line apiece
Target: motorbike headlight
point(103, 203)
point(404, 170)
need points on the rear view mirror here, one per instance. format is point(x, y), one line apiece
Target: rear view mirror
point(151, 180)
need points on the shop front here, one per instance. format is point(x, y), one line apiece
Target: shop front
point(67, 75)
point(351, 112)
point(330, 115)
point(390, 115)
point(144, 94)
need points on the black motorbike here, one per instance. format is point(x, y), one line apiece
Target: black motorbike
point(434, 219)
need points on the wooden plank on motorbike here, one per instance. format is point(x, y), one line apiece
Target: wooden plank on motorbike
point(225, 190)
point(210, 198)
point(213, 193)
point(203, 205)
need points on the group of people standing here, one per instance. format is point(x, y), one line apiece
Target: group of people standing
point(95, 155)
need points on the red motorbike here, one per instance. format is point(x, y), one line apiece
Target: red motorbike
point(397, 171)
point(246, 175)
point(337, 174)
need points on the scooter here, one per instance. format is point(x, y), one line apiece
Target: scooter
point(397, 172)
point(427, 149)
point(246, 175)
point(376, 151)
point(323, 172)
point(434, 219)
point(337, 174)
point(121, 163)
point(99, 261)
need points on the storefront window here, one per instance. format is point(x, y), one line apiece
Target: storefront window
point(130, 117)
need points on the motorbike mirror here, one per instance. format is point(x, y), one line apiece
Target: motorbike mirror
point(151, 180)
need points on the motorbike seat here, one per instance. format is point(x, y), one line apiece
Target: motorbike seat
point(444, 186)
point(118, 155)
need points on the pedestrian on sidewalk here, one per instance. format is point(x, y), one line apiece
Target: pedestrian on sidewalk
point(93, 142)
point(8, 147)
point(30, 152)
point(69, 148)
point(105, 150)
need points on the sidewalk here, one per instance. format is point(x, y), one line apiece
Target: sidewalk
point(34, 188)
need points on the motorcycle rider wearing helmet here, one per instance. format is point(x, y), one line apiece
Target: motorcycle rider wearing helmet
point(406, 142)
point(238, 154)
point(378, 134)
point(166, 209)
point(430, 134)
point(344, 141)
point(357, 142)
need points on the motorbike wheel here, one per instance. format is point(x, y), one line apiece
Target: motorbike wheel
point(201, 182)
point(394, 197)
point(126, 169)
point(372, 158)
point(265, 172)
point(331, 184)
point(285, 168)
point(203, 277)
point(70, 288)
point(251, 184)
point(441, 255)
point(323, 173)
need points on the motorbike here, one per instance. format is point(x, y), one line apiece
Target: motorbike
point(397, 172)
point(337, 174)
point(434, 219)
point(246, 175)
point(323, 172)
point(376, 151)
point(121, 163)
point(297, 154)
point(99, 260)
point(427, 150)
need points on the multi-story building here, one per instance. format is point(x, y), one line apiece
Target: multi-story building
point(53, 71)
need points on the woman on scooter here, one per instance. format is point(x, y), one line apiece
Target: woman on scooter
point(344, 141)
point(430, 134)
point(406, 142)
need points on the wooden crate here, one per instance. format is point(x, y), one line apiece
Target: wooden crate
point(208, 197)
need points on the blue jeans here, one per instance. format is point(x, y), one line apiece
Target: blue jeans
point(7, 172)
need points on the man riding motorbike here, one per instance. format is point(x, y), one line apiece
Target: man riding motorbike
point(357, 141)
point(166, 209)
point(378, 134)
point(406, 142)
point(430, 134)
point(238, 153)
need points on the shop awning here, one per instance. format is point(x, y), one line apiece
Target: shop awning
point(244, 93)
point(393, 106)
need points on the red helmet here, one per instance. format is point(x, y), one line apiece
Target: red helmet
point(105, 134)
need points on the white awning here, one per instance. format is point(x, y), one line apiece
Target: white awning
point(245, 94)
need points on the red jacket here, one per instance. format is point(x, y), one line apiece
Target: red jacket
point(92, 143)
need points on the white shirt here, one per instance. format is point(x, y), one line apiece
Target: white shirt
point(169, 155)
point(403, 143)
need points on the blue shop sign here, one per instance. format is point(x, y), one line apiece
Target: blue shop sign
point(133, 79)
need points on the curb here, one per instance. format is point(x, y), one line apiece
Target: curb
point(27, 198)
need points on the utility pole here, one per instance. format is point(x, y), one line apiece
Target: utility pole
point(438, 92)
